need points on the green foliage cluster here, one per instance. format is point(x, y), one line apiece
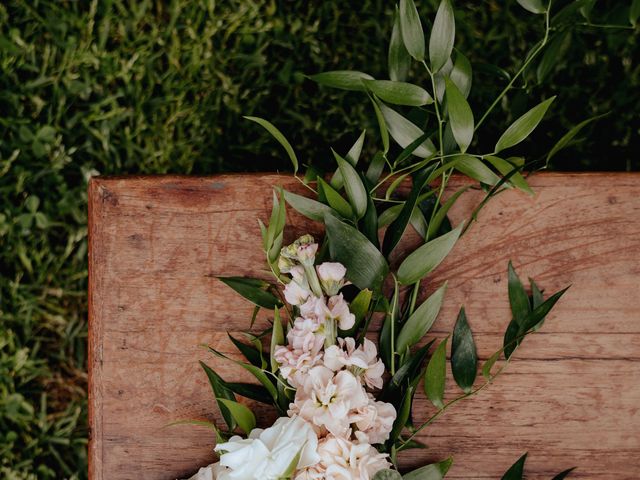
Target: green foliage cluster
point(160, 86)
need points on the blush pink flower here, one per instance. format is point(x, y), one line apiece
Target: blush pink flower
point(331, 275)
point(374, 421)
point(336, 308)
point(362, 361)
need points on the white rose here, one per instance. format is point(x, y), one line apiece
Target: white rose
point(268, 454)
point(209, 472)
point(331, 276)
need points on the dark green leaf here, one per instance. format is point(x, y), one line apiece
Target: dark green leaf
point(570, 135)
point(435, 471)
point(518, 298)
point(435, 375)
point(353, 185)
point(334, 199)
point(541, 311)
point(464, 358)
point(353, 155)
point(511, 338)
point(409, 149)
point(252, 391)
point(553, 54)
point(220, 391)
point(382, 125)
point(399, 58)
point(406, 375)
point(474, 168)
point(277, 134)
point(461, 74)
point(421, 320)
point(306, 206)
point(404, 132)
point(460, 115)
point(523, 126)
point(564, 474)
point(366, 267)
point(243, 416)
point(253, 290)
point(343, 79)
point(277, 339)
point(403, 414)
point(399, 93)
point(397, 228)
point(369, 223)
point(249, 352)
point(533, 6)
point(427, 257)
point(442, 37)
point(411, 29)
point(516, 472)
point(634, 12)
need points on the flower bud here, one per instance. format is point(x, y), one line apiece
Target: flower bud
point(331, 276)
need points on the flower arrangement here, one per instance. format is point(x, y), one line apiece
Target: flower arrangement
point(343, 367)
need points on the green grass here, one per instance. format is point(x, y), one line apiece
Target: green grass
point(151, 87)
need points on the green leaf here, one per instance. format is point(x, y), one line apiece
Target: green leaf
point(359, 306)
point(369, 223)
point(435, 375)
point(387, 475)
point(253, 290)
point(399, 93)
point(474, 168)
point(488, 365)
point(243, 416)
point(399, 59)
point(461, 74)
point(306, 206)
point(250, 353)
point(376, 166)
point(426, 258)
point(404, 132)
point(421, 320)
point(342, 79)
point(403, 414)
point(252, 391)
point(507, 169)
point(366, 267)
point(634, 12)
point(441, 213)
point(353, 185)
point(518, 298)
point(335, 200)
point(570, 135)
point(435, 471)
point(406, 375)
point(516, 472)
point(533, 6)
point(382, 125)
point(277, 339)
point(411, 29)
point(523, 126)
point(221, 392)
point(277, 134)
point(564, 474)
point(460, 115)
point(397, 228)
point(353, 155)
point(442, 37)
point(464, 358)
point(553, 54)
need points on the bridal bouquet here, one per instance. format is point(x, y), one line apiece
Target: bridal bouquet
point(348, 348)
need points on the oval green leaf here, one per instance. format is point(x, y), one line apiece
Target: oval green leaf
point(435, 471)
point(243, 416)
point(277, 134)
point(533, 6)
point(461, 74)
point(411, 29)
point(353, 185)
point(442, 36)
point(523, 126)
point(460, 115)
point(435, 375)
point(306, 206)
point(421, 320)
point(464, 358)
point(399, 93)
point(342, 79)
point(474, 168)
point(404, 132)
point(335, 200)
point(387, 475)
point(353, 155)
point(427, 257)
point(399, 59)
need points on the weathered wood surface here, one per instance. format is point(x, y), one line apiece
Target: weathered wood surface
point(571, 397)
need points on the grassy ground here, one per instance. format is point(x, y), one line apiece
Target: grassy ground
point(128, 87)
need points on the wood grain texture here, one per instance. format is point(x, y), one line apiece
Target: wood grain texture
point(571, 397)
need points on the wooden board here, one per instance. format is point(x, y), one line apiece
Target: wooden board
point(571, 398)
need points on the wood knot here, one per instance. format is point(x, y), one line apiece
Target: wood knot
point(612, 200)
point(108, 196)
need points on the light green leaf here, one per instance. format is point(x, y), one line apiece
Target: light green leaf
point(411, 29)
point(359, 307)
point(460, 115)
point(387, 475)
point(404, 132)
point(570, 135)
point(353, 155)
point(464, 358)
point(435, 375)
point(353, 185)
point(277, 134)
point(426, 258)
point(245, 417)
point(421, 320)
point(461, 74)
point(366, 267)
point(277, 338)
point(306, 206)
point(335, 200)
point(442, 36)
point(488, 365)
point(435, 471)
point(399, 93)
point(342, 79)
point(474, 168)
point(523, 126)
point(389, 215)
point(533, 6)
point(505, 168)
point(399, 59)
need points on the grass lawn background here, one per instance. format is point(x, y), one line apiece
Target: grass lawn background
point(116, 87)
